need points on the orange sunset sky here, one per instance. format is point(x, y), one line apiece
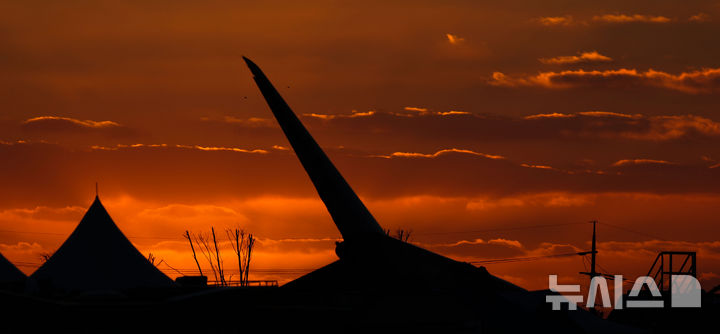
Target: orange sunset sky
point(462, 121)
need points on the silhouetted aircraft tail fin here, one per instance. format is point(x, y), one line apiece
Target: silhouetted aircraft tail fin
point(347, 211)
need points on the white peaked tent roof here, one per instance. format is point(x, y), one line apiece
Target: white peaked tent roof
point(98, 256)
point(8, 272)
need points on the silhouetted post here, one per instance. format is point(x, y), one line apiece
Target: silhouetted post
point(187, 235)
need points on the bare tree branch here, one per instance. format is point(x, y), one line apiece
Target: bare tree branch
point(218, 259)
point(205, 249)
point(187, 236)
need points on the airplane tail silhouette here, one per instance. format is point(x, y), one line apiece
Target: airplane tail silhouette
point(365, 244)
point(347, 211)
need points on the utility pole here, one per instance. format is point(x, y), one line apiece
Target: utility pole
point(593, 253)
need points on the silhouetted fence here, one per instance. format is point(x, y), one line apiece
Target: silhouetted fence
point(273, 283)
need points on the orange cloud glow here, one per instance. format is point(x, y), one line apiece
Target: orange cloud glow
point(553, 115)
point(556, 20)
point(596, 113)
point(190, 147)
point(452, 112)
point(584, 57)
point(454, 39)
point(85, 123)
point(700, 17)
point(626, 162)
point(439, 153)
point(624, 18)
point(418, 109)
point(252, 122)
point(353, 115)
point(695, 82)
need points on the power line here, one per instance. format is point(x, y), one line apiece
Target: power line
point(516, 228)
point(171, 267)
point(67, 234)
point(499, 229)
point(31, 232)
point(633, 231)
point(603, 268)
point(522, 259)
point(190, 270)
point(178, 238)
point(416, 233)
point(492, 261)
